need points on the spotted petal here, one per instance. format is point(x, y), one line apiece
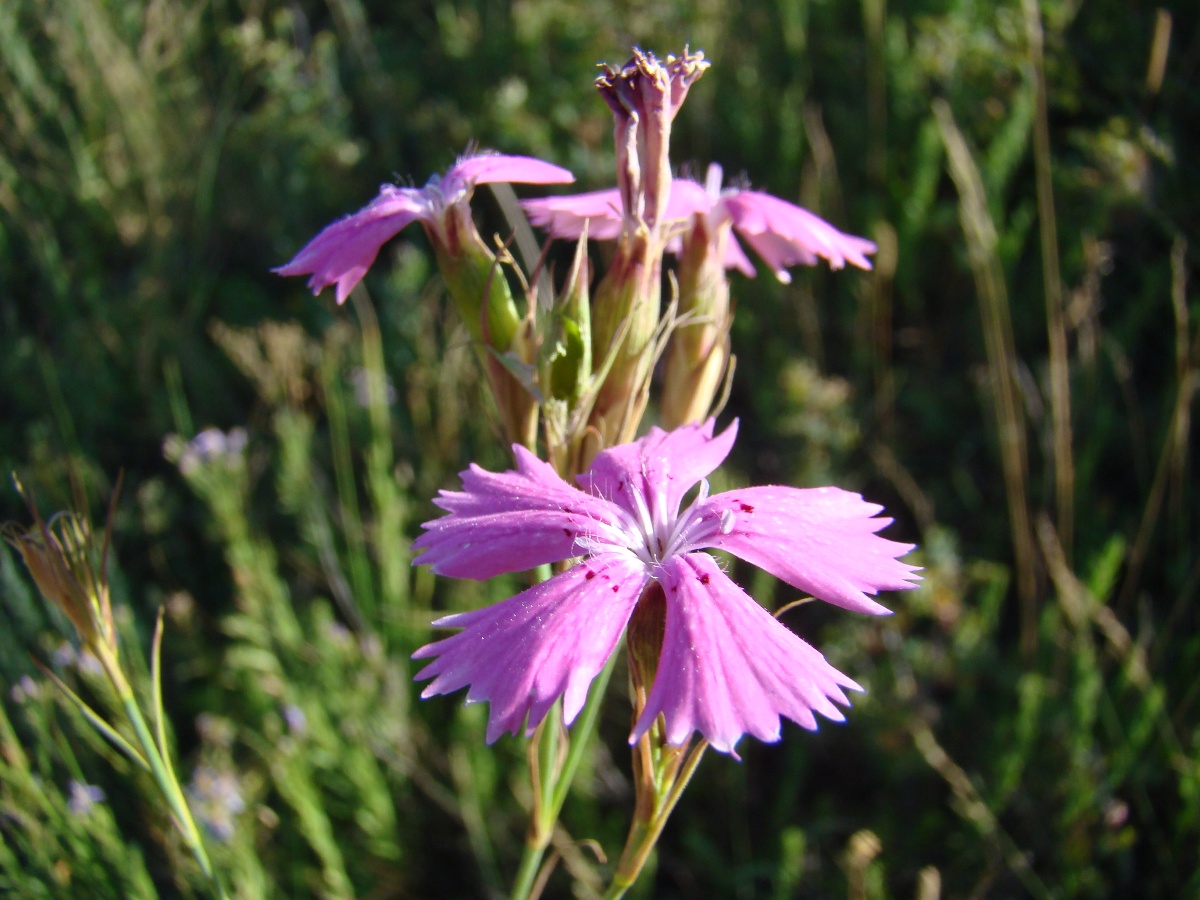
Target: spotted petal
point(820, 540)
point(728, 668)
point(547, 642)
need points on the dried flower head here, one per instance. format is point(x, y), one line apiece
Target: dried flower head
point(69, 571)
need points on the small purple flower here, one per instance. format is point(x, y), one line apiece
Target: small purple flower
point(216, 799)
point(212, 446)
point(727, 666)
point(781, 233)
point(26, 689)
point(297, 721)
point(88, 663)
point(83, 797)
point(64, 655)
point(343, 251)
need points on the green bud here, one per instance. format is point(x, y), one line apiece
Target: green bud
point(566, 365)
point(698, 353)
point(475, 280)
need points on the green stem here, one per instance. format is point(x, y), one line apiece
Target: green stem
point(164, 774)
point(559, 785)
point(644, 835)
point(531, 860)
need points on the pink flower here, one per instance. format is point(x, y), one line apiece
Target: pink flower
point(782, 233)
point(727, 666)
point(343, 251)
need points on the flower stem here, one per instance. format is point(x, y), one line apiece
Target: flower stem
point(557, 785)
point(154, 753)
point(164, 774)
point(643, 835)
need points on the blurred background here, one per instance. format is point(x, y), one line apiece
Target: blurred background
point(1015, 382)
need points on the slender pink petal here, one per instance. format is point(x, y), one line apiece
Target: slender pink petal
point(782, 233)
point(688, 199)
point(756, 215)
point(547, 642)
point(728, 668)
point(820, 540)
point(779, 253)
point(736, 258)
point(662, 466)
point(342, 252)
point(564, 217)
point(487, 168)
point(509, 521)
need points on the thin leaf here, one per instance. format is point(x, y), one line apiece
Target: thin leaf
point(160, 737)
point(94, 718)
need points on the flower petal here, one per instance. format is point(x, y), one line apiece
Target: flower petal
point(736, 258)
point(779, 253)
point(509, 521)
point(728, 667)
point(662, 466)
point(486, 168)
point(820, 540)
point(342, 252)
point(687, 198)
point(797, 235)
point(547, 642)
point(564, 217)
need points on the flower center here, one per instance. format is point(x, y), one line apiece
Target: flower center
point(654, 533)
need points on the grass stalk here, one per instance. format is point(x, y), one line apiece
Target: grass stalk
point(1056, 332)
point(980, 232)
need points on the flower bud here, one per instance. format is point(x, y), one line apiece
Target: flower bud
point(481, 293)
point(698, 353)
point(474, 279)
point(566, 357)
point(643, 642)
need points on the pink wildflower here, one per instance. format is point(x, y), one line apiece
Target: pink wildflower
point(727, 666)
point(343, 251)
point(782, 233)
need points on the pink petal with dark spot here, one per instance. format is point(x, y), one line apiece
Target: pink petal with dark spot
point(729, 668)
point(547, 642)
point(820, 540)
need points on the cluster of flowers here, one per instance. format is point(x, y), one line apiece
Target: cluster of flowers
point(629, 534)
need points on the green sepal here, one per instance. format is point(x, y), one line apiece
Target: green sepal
point(475, 281)
point(566, 363)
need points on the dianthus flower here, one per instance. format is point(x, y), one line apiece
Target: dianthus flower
point(782, 233)
point(726, 667)
point(343, 251)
